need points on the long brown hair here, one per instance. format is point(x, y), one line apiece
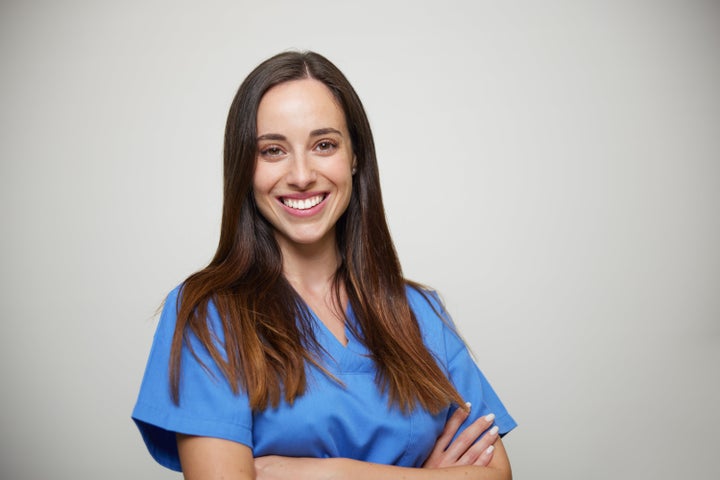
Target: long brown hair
point(267, 328)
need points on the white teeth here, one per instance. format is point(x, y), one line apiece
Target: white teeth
point(303, 204)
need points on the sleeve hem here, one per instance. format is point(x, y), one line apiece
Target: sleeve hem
point(505, 424)
point(158, 429)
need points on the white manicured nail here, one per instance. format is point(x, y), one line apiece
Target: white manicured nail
point(489, 417)
point(494, 430)
point(489, 450)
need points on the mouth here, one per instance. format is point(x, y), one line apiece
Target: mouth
point(303, 203)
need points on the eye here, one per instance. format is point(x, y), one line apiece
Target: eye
point(326, 146)
point(271, 151)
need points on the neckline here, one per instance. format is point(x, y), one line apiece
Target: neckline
point(328, 333)
point(351, 359)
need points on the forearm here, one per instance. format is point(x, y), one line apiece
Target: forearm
point(346, 469)
point(285, 468)
point(464, 463)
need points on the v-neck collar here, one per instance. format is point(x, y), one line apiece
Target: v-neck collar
point(351, 358)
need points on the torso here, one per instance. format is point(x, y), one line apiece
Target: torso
point(352, 420)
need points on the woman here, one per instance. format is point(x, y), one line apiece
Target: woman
point(300, 351)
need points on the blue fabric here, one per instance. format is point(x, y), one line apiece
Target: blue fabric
point(330, 420)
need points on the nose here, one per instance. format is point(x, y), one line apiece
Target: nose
point(301, 173)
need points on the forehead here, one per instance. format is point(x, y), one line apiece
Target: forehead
point(305, 104)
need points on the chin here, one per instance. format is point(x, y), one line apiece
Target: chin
point(306, 239)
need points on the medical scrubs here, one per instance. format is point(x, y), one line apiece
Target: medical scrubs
point(351, 419)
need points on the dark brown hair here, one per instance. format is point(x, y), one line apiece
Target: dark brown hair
point(267, 328)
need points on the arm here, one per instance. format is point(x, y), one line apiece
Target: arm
point(205, 458)
point(282, 468)
point(497, 469)
point(464, 458)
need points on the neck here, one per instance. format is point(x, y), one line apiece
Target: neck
point(310, 268)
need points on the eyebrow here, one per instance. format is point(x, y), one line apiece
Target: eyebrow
point(324, 131)
point(314, 133)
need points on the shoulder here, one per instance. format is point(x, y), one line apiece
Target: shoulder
point(426, 305)
point(171, 307)
point(437, 326)
point(168, 316)
point(172, 300)
point(419, 295)
point(434, 321)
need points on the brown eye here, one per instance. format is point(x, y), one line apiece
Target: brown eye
point(326, 146)
point(271, 151)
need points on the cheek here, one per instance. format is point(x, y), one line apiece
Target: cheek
point(262, 182)
point(345, 177)
point(342, 172)
point(262, 202)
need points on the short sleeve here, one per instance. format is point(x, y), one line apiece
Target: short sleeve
point(472, 385)
point(453, 355)
point(207, 407)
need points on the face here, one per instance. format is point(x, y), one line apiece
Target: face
point(303, 174)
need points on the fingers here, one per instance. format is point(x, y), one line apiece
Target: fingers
point(485, 457)
point(437, 456)
point(481, 452)
point(473, 446)
point(464, 447)
point(451, 427)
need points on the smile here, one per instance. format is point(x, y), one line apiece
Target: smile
point(303, 204)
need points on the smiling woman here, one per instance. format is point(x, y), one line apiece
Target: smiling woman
point(303, 175)
point(301, 351)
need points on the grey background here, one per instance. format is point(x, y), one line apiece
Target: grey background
point(552, 168)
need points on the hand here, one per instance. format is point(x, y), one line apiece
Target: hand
point(463, 451)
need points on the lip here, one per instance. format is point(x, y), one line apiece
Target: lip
point(303, 196)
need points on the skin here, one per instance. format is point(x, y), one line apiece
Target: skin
point(304, 151)
point(305, 154)
point(206, 458)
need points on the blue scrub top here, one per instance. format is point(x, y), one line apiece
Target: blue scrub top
point(352, 420)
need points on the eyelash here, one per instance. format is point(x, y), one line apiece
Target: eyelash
point(330, 146)
point(266, 151)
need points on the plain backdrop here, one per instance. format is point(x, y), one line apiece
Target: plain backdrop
point(552, 168)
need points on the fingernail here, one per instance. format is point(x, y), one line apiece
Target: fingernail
point(494, 430)
point(468, 405)
point(489, 450)
point(490, 417)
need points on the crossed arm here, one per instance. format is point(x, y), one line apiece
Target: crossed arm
point(205, 458)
